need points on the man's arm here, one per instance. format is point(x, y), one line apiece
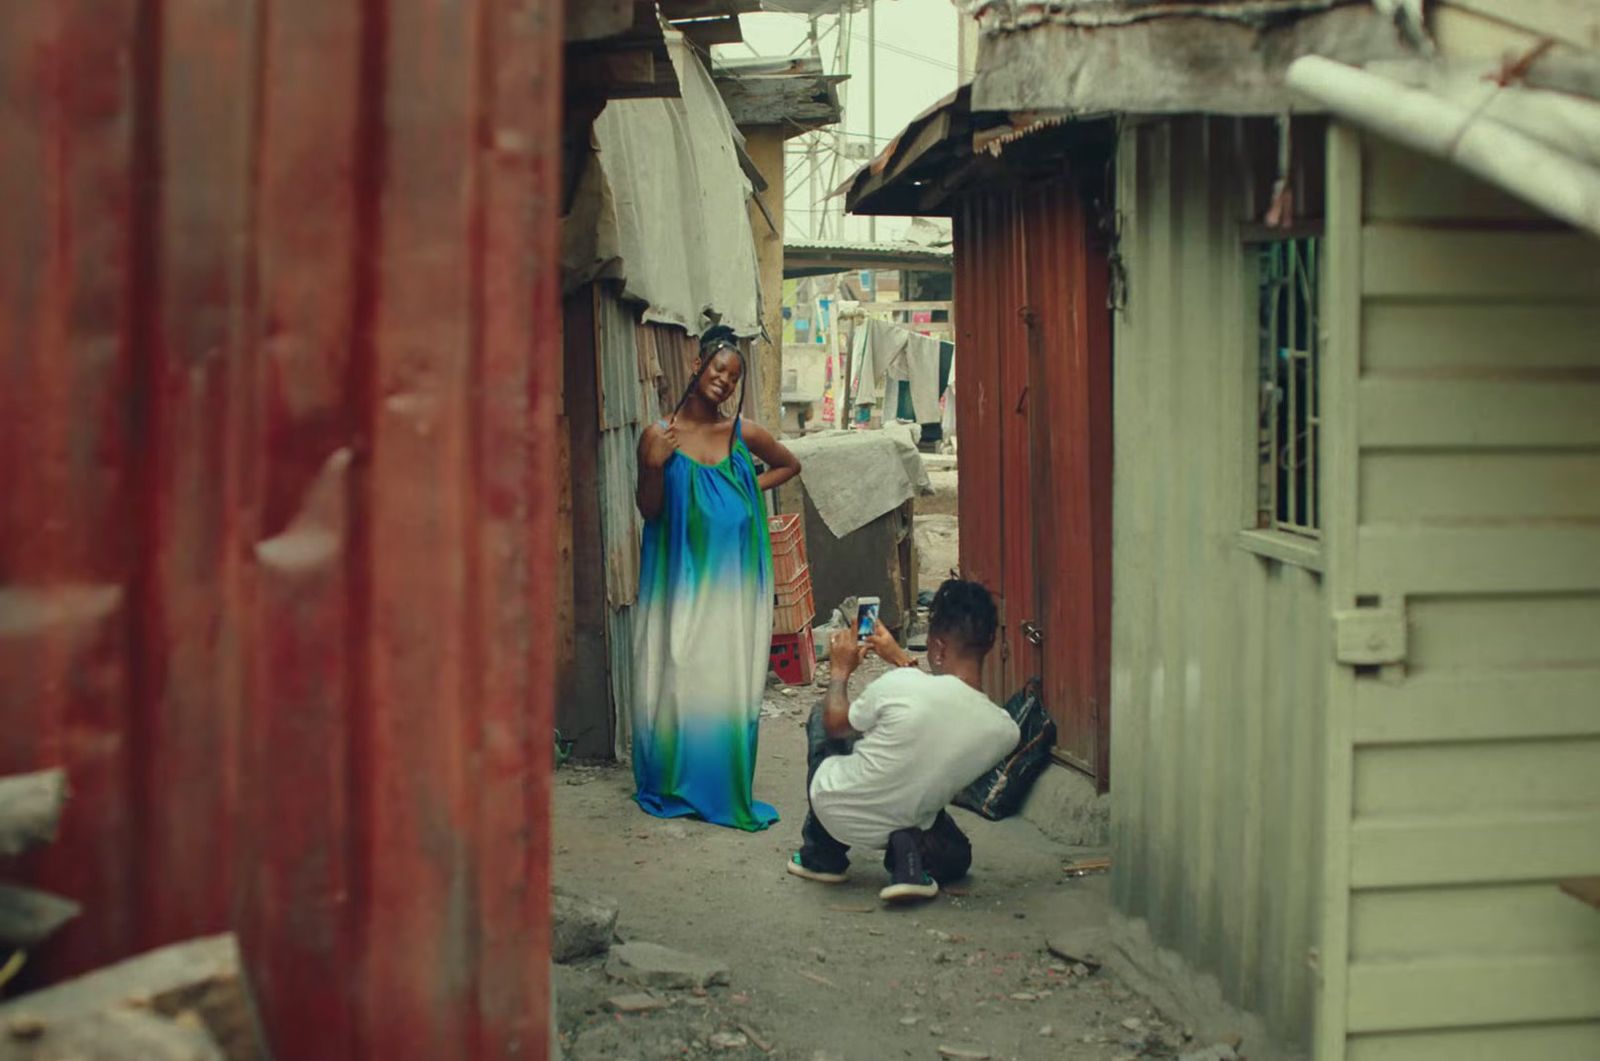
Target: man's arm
point(888, 649)
point(845, 654)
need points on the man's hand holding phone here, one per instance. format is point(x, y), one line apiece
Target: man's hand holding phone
point(888, 649)
point(845, 652)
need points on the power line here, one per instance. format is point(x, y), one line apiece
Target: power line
point(906, 52)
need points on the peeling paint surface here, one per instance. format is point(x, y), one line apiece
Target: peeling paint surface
point(276, 373)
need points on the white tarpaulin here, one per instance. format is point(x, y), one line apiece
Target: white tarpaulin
point(663, 207)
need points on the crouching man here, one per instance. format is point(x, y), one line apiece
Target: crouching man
point(881, 769)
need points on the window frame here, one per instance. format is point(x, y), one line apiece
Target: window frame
point(1299, 544)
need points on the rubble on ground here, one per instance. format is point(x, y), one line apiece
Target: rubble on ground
point(652, 965)
point(191, 1000)
point(580, 927)
point(1085, 947)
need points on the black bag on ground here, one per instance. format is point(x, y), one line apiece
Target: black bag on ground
point(999, 793)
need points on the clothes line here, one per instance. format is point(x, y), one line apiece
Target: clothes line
point(889, 352)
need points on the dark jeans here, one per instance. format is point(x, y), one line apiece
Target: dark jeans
point(946, 851)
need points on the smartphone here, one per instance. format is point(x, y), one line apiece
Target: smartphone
point(866, 616)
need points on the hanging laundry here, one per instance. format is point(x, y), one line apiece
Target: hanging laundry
point(948, 424)
point(890, 353)
point(878, 344)
point(918, 364)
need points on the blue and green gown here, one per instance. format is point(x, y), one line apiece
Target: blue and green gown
point(702, 643)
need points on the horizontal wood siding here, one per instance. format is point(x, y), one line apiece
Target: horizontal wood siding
point(1476, 763)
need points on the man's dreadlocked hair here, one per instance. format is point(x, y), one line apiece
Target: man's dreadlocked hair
point(717, 338)
point(965, 613)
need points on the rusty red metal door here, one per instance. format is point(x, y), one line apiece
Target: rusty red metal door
point(279, 365)
point(1034, 407)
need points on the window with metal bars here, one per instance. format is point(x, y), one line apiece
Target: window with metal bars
point(1289, 358)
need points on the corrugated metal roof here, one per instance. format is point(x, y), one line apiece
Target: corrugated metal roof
point(819, 257)
point(998, 16)
point(1166, 56)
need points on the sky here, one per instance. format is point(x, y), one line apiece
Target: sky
point(916, 60)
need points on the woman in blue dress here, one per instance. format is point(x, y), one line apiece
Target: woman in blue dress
point(704, 626)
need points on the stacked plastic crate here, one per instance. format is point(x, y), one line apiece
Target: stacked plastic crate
point(794, 652)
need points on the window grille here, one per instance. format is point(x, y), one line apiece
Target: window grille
point(1290, 410)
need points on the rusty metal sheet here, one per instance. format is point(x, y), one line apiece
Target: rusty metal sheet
point(1165, 58)
point(1033, 399)
point(273, 570)
point(69, 547)
point(984, 331)
point(625, 409)
point(1069, 329)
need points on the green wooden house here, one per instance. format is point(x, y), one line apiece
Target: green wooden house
point(1355, 572)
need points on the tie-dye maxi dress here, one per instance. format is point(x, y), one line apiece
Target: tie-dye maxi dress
point(702, 644)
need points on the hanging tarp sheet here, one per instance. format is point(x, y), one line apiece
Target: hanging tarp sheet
point(662, 207)
point(853, 477)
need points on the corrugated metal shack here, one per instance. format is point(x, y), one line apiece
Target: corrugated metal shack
point(279, 292)
point(1355, 576)
point(1033, 387)
point(278, 532)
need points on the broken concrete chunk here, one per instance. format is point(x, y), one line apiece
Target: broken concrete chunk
point(114, 1035)
point(652, 965)
point(964, 1053)
point(25, 1028)
point(203, 975)
point(638, 1002)
point(580, 927)
point(30, 809)
point(1219, 1052)
point(29, 917)
point(1084, 946)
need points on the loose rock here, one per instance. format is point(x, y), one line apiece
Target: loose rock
point(652, 965)
point(1085, 947)
point(580, 927)
point(638, 1002)
point(964, 1053)
point(1219, 1052)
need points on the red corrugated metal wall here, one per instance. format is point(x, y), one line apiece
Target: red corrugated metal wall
point(1033, 388)
point(279, 353)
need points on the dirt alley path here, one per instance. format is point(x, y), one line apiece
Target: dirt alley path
point(822, 972)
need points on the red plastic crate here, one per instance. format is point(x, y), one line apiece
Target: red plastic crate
point(788, 546)
point(794, 657)
point(794, 608)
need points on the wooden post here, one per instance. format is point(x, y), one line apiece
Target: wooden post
point(765, 146)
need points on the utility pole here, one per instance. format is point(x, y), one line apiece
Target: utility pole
point(872, 99)
point(813, 217)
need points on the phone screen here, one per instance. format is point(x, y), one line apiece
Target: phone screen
point(866, 617)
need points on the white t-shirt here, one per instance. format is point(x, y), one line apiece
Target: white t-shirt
point(923, 739)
